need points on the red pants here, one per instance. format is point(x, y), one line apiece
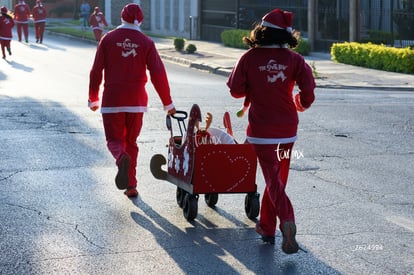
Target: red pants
point(98, 34)
point(4, 45)
point(121, 132)
point(39, 30)
point(274, 160)
point(25, 28)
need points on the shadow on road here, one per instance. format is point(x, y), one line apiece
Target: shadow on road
point(47, 185)
point(206, 248)
point(18, 66)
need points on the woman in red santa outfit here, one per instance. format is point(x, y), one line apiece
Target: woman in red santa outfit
point(39, 18)
point(98, 22)
point(21, 18)
point(266, 75)
point(6, 35)
point(123, 56)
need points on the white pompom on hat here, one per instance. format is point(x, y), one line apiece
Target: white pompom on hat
point(278, 19)
point(132, 13)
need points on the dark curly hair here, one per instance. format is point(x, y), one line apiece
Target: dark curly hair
point(265, 36)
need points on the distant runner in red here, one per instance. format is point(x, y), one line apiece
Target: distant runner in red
point(21, 18)
point(39, 18)
point(266, 75)
point(98, 22)
point(6, 35)
point(123, 57)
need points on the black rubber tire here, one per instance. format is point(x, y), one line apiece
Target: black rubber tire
point(190, 208)
point(252, 205)
point(179, 195)
point(211, 199)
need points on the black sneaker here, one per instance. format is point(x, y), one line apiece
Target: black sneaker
point(122, 179)
point(289, 244)
point(265, 238)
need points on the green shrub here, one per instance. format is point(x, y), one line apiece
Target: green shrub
point(191, 48)
point(373, 56)
point(303, 47)
point(234, 38)
point(179, 44)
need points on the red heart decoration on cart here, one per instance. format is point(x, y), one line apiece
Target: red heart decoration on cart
point(222, 171)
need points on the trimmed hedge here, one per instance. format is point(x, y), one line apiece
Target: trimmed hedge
point(234, 38)
point(380, 57)
point(179, 44)
point(191, 48)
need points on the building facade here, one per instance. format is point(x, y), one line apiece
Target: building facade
point(322, 22)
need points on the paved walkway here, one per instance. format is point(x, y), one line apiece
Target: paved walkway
point(218, 59)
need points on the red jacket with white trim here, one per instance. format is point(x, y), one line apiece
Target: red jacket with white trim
point(97, 21)
point(39, 14)
point(123, 56)
point(22, 13)
point(6, 26)
point(267, 75)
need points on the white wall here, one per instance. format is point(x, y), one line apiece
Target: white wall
point(7, 3)
point(172, 17)
point(168, 17)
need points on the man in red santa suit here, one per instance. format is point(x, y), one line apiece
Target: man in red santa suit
point(266, 75)
point(98, 22)
point(39, 18)
point(21, 18)
point(123, 56)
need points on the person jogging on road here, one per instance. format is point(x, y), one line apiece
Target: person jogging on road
point(123, 56)
point(6, 35)
point(266, 75)
point(98, 23)
point(39, 18)
point(21, 18)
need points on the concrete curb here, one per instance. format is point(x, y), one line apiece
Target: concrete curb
point(322, 83)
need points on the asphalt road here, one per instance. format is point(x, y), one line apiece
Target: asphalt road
point(60, 212)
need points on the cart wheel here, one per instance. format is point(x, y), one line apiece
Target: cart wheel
point(190, 206)
point(252, 205)
point(211, 199)
point(179, 195)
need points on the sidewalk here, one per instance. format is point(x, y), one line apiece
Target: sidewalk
point(218, 59)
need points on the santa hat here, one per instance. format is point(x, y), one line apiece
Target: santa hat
point(3, 9)
point(278, 19)
point(132, 13)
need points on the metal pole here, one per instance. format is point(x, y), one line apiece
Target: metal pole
point(353, 20)
point(191, 27)
point(312, 19)
point(392, 23)
point(237, 14)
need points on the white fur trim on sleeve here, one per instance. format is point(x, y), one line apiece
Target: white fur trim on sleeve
point(169, 107)
point(93, 104)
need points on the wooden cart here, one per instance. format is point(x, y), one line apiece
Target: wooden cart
point(208, 169)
